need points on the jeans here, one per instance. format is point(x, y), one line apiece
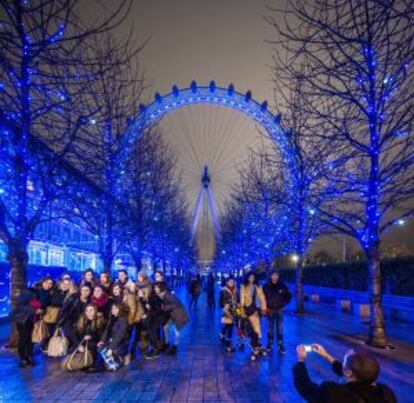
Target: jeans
point(25, 345)
point(194, 299)
point(140, 336)
point(275, 320)
point(210, 300)
point(152, 326)
point(167, 330)
point(69, 331)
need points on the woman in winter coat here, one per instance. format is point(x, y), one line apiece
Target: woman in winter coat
point(228, 303)
point(115, 337)
point(124, 281)
point(105, 281)
point(144, 289)
point(101, 299)
point(58, 296)
point(44, 291)
point(89, 328)
point(176, 311)
point(28, 306)
point(71, 310)
point(88, 278)
point(250, 293)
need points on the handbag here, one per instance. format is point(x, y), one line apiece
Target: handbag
point(58, 344)
point(78, 360)
point(51, 314)
point(40, 331)
point(251, 309)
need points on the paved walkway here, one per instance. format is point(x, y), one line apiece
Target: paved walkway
point(202, 371)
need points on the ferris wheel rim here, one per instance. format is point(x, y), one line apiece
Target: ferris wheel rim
point(163, 105)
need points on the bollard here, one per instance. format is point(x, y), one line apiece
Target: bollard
point(315, 298)
point(344, 305)
point(362, 309)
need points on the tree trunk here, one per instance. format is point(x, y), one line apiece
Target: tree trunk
point(107, 263)
point(377, 337)
point(300, 309)
point(18, 259)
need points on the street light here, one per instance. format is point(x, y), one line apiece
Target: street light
point(295, 258)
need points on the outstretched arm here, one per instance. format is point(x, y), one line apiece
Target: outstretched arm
point(336, 365)
point(309, 390)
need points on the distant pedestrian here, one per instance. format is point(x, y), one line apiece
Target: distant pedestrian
point(210, 291)
point(195, 290)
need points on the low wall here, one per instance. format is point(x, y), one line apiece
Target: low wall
point(357, 302)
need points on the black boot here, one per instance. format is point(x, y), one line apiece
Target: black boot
point(30, 361)
point(172, 350)
point(281, 348)
point(269, 346)
point(23, 364)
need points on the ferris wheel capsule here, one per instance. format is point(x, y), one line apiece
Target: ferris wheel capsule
point(158, 97)
point(212, 85)
point(193, 86)
point(248, 96)
point(278, 118)
point(175, 90)
point(230, 89)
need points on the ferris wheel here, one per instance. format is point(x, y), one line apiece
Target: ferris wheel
point(211, 130)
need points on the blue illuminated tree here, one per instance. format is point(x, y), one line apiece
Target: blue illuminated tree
point(157, 223)
point(293, 188)
point(359, 89)
point(253, 230)
point(115, 95)
point(45, 74)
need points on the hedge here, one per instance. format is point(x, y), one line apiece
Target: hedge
point(397, 275)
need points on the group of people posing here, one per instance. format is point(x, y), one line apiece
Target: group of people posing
point(244, 308)
point(99, 314)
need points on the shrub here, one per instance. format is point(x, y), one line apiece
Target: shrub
point(397, 275)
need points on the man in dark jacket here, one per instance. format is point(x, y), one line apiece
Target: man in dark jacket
point(172, 305)
point(360, 370)
point(277, 296)
point(24, 316)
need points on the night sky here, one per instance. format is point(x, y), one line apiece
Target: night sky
point(203, 40)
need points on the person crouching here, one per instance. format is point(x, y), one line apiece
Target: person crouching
point(115, 338)
point(177, 313)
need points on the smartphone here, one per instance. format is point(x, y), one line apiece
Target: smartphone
point(308, 349)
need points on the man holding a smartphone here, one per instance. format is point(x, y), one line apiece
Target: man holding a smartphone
point(360, 370)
